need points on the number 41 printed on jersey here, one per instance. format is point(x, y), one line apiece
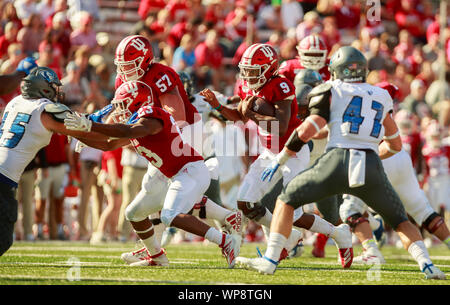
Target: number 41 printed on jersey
point(352, 114)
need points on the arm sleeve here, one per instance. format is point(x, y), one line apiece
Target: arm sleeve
point(320, 105)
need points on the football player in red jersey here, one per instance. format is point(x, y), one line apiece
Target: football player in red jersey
point(312, 53)
point(259, 79)
point(154, 134)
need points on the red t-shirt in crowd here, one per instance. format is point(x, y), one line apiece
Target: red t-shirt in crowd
point(55, 151)
point(207, 57)
point(116, 155)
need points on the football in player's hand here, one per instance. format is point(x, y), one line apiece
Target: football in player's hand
point(261, 106)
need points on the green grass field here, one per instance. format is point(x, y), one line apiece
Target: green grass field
point(47, 263)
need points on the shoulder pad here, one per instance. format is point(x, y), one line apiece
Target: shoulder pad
point(320, 89)
point(57, 110)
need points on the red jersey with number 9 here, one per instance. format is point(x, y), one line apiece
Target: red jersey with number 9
point(166, 149)
point(276, 89)
point(162, 79)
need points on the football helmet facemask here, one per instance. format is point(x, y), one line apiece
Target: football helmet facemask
point(129, 97)
point(313, 52)
point(258, 64)
point(133, 56)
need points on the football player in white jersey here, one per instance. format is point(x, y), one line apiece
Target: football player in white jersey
point(400, 172)
point(28, 123)
point(358, 117)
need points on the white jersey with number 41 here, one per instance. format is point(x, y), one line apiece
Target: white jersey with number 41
point(357, 112)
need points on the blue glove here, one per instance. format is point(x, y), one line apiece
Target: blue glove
point(98, 116)
point(133, 119)
point(26, 65)
point(270, 171)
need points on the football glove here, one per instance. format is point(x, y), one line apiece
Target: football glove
point(98, 116)
point(75, 121)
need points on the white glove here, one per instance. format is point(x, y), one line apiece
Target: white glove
point(75, 121)
point(79, 146)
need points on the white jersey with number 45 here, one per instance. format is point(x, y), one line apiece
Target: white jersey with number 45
point(357, 112)
point(22, 135)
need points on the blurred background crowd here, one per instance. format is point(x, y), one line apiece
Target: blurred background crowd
point(81, 196)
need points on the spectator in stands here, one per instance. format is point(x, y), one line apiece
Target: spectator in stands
point(72, 87)
point(269, 18)
point(437, 90)
point(106, 80)
point(31, 35)
point(45, 8)
point(50, 56)
point(61, 33)
point(15, 55)
point(410, 19)
point(236, 23)
point(184, 56)
point(90, 6)
point(196, 9)
point(311, 24)
point(60, 6)
point(209, 56)
point(431, 49)
point(83, 33)
point(330, 34)
point(178, 10)
point(89, 81)
point(25, 193)
point(10, 15)
point(111, 179)
point(375, 59)
point(415, 101)
point(50, 187)
point(8, 38)
point(291, 13)
point(25, 8)
point(150, 6)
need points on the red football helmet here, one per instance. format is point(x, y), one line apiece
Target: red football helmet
point(313, 52)
point(133, 55)
point(129, 97)
point(258, 64)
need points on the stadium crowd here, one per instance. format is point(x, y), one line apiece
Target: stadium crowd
point(86, 193)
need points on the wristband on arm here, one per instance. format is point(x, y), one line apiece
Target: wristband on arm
point(294, 143)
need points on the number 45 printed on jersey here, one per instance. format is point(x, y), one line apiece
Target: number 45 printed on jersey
point(352, 114)
point(15, 130)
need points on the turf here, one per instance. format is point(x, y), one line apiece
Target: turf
point(48, 263)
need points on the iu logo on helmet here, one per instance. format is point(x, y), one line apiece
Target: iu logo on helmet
point(139, 45)
point(133, 89)
point(268, 52)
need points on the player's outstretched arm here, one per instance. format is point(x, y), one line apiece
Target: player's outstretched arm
point(142, 128)
point(173, 104)
point(392, 143)
point(229, 113)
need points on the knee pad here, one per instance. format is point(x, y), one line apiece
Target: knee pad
point(256, 211)
point(167, 217)
point(355, 220)
point(427, 222)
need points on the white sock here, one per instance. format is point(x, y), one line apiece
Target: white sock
point(322, 226)
point(215, 211)
point(152, 244)
point(266, 219)
point(275, 246)
point(214, 236)
point(369, 243)
point(420, 253)
point(374, 224)
point(293, 239)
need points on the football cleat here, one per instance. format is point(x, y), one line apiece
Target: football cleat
point(233, 223)
point(433, 273)
point(297, 251)
point(371, 256)
point(319, 245)
point(343, 240)
point(379, 234)
point(135, 256)
point(167, 236)
point(230, 246)
point(159, 259)
point(263, 264)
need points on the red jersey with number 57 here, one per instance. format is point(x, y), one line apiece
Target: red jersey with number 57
point(162, 79)
point(166, 149)
point(276, 89)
